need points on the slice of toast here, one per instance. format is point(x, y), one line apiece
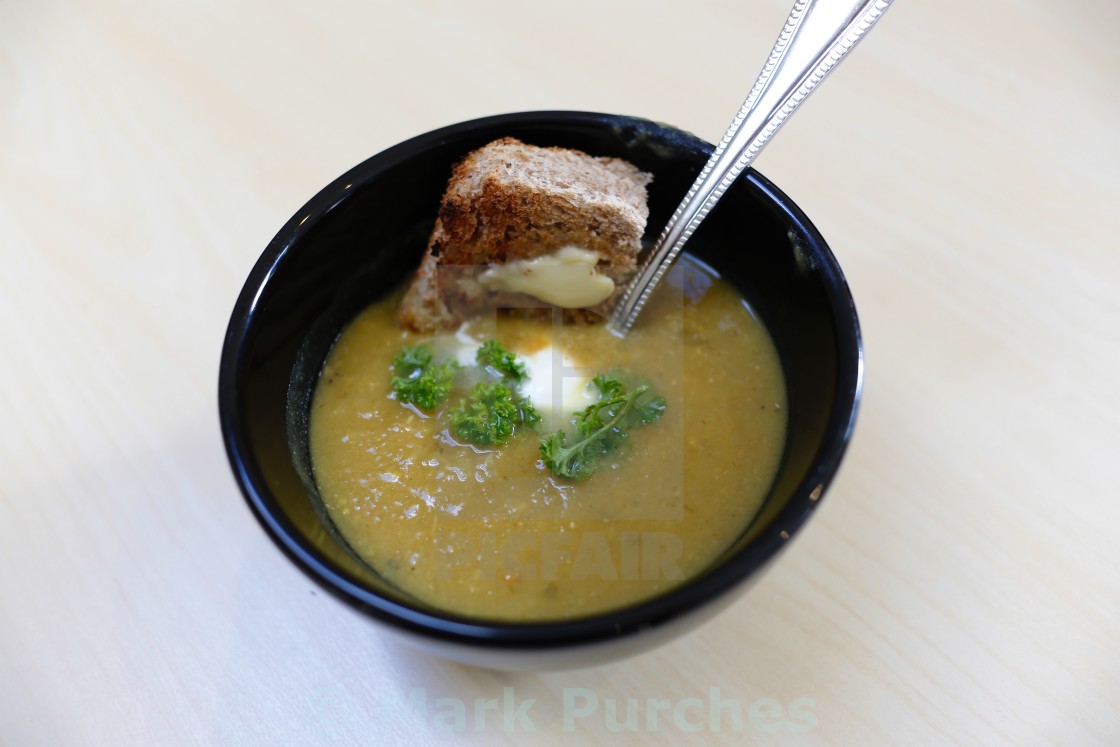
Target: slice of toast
point(510, 202)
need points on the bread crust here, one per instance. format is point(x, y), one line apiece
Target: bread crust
point(510, 201)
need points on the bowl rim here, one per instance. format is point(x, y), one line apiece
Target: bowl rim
point(682, 600)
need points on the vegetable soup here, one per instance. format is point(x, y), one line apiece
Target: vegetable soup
point(550, 471)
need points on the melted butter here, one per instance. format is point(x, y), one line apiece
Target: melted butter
point(566, 278)
point(557, 385)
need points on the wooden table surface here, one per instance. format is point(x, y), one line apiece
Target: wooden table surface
point(960, 585)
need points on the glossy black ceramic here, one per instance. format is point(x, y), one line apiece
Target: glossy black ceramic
point(363, 234)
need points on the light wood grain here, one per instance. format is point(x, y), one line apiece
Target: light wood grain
point(959, 585)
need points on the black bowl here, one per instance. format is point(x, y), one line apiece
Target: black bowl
point(363, 234)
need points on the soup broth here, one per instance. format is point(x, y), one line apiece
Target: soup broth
point(491, 532)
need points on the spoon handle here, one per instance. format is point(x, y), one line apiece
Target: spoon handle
point(816, 36)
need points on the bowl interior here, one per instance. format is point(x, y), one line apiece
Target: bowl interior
point(363, 235)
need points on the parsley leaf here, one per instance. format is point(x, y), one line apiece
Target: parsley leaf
point(601, 428)
point(493, 414)
point(495, 410)
point(418, 381)
point(492, 355)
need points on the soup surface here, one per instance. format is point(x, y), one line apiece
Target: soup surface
point(491, 532)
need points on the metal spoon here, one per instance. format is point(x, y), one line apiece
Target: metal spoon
point(817, 35)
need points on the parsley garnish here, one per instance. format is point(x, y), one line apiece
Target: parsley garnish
point(601, 428)
point(493, 414)
point(420, 382)
point(493, 356)
point(496, 409)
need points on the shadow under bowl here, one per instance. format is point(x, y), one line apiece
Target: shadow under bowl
point(363, 235)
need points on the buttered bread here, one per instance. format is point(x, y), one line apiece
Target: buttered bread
point(530, 229)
